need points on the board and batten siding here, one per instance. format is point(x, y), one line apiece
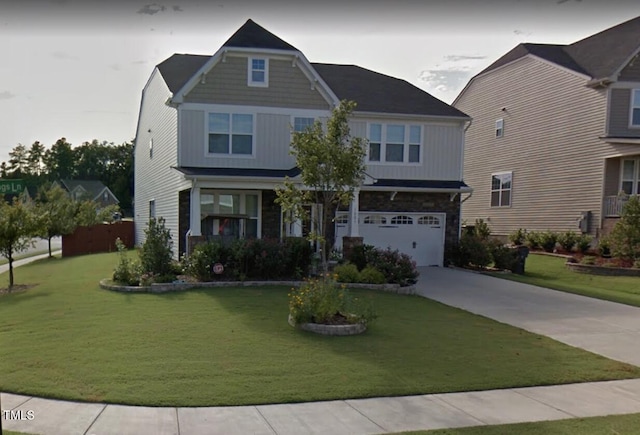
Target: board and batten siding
point(552, 125)
point(441, 154)
point(619, 113)
point(226, 83)
point(154, 179)
point(272, 143)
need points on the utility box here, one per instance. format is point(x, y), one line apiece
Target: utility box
point(584, 221)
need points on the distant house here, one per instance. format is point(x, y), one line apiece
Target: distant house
point(213, 142)
point(89, 189)
point(555, 135)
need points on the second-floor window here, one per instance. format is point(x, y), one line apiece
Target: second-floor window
point(258, 72)
point(394, 143)
point(230, 133)
point(635, 108)
point(499, 127)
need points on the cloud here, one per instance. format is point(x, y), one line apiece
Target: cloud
point(566, 1)
point(115, 67)
point(139, 62)
point(177, 8)
point(151, 9)
point(64, 56)
point(459, 58)
point(6, 95)
point(521, 33)
point(444, 80)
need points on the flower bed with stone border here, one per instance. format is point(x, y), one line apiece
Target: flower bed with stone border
point(602, 270)
point(318, 328)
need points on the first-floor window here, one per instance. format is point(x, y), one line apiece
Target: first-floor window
point(501, 189)
point(230, 133)
point(229, 214)
point(300, 124)
point(152, 208)
point(630, 180)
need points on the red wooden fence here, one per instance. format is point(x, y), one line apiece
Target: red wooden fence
point(98, 238)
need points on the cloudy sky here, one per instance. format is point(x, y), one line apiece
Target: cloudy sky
point(76, 68)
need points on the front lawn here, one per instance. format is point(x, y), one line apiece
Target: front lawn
point(66, 338)
point(551, 272)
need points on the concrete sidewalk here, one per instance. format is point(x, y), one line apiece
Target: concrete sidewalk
point(17, 263)
point(602, 327)
point(348, 417)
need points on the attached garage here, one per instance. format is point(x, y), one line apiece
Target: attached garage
point(419, 235)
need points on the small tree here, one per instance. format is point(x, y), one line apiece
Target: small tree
point(56, 213)
point(17, 227)
point(156, 256)
point(625, 237)
point(331, 167)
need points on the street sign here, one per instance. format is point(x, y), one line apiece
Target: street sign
point(11, 186)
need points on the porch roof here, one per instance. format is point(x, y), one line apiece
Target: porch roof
point(193, 172)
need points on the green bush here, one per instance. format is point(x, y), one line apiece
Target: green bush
point(347, 273)
point(481, 229)
point(298, 253)
point(625, 237)
point(370, 275)
point(636, 264)
point(504, 258)
point(583, 243)
point(156, 256)
point(567, 240)
point(396, 267)
point(198, 263)
point(532, 239)
point(548, 240)
point(474, 251)
point(360, 255)
point(127, 271)
point(604, 246)
point(518, 236)
point(588, 259)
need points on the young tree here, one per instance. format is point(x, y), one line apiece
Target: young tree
point(625, 237)
point(56, 213)
point(332, 167)
point(17, 227)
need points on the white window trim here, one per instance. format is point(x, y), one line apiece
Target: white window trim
point(383, 144)
point(491, 190)
point(152, 208)
point(243, 203)
point(634, 105)
point(250, 81)
point(230, 155)
point(150, 148)
point(499, 130)
point(635, 187)
point(292, 124)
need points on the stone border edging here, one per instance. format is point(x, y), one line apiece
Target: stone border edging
point(169, 287)
point(318, 328)
point(593, 269)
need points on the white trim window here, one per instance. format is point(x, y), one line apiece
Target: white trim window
point(230, 134)
point(635, 108)
point(301, 124)
point(395, 143)
point(630, 176)
point(258, 72)
point(501, 186)
point(499, 127)
point(232, 213)
point(152, 209)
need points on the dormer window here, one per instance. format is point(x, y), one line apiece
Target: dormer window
point(635, 108)
point(258, 72)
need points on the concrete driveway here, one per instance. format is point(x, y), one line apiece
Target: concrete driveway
point(602, 327)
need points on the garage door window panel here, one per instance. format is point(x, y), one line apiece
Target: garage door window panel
point(401, 220)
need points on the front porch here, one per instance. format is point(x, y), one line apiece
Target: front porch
point(622, 181)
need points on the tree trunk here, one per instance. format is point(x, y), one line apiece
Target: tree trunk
point(50, 247)
point(10, 271)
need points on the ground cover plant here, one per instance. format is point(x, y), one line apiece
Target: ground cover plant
point(67, 338)
point(551, 272)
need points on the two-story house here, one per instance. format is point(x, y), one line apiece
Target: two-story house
point(555, 136)
point(213, 142)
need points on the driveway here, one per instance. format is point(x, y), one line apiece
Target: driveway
point(602, 327)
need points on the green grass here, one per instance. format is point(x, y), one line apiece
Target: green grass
point(551, 272)
point(611, 425)
point(66, 338)
point(3, 260)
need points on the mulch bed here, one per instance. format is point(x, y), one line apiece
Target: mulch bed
point(18, 288)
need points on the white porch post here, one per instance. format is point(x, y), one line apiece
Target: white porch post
point(354, 211)
point(195, 211)
point(296, 228)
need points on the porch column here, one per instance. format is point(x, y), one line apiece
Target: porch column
point(354, 211)
point(296, 227)
point(195, 212)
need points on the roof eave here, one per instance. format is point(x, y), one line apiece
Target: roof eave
point(405, 115)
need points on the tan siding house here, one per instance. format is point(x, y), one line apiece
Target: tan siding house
point(552, 134)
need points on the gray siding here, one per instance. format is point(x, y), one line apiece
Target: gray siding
point(154, 178)
point(631, 72)
point(271, 141)
point(442, 151)
point(612, 178)
point(226, 83)
point(619, 115)
point(552, 125)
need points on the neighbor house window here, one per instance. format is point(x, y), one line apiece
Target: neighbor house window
point(258, 72)
point(301, 124)
point(635, 108)
point(630, 182)
point(395, 143)
point(500, 127)
point(501, 189)
point(230, 134)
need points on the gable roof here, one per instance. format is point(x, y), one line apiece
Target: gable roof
point(92, 187)
point(599, 56)
point(375, 92)
point(252, 35)
point(179, 68)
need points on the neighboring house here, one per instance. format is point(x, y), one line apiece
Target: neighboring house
point(213, 142)
point(555, 135)
point(89, 189)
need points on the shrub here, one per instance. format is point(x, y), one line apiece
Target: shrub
point(396, 267)
point(567, 240)
point(127, 271)
point(298, 253)
point(588, 259)
point(360, 255)
point(548, 240)
point(636, 264)
point(371, 275)
point(604, 247)
point(481, 229)
point(625, 237)
point(474, 251)
point(517, 237)
point(504, 258)
point(320, 300)
point(347, 273)
point(156, 256)
point(198, 263)
point(583, 243)
point(532, 239)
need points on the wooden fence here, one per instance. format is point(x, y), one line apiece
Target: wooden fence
point(98, 238)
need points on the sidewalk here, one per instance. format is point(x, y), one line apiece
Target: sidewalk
point(599, 326)
point(16, 263)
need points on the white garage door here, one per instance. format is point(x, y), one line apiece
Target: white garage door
point(420, 235)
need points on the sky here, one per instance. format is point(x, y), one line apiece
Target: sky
point(76, 68)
